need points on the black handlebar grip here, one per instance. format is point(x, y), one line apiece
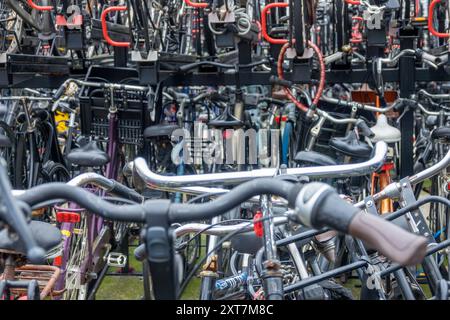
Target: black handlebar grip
point(281, 82)
point(187, 67)
point(318, 205)
point(364, 129)
point(429, 57)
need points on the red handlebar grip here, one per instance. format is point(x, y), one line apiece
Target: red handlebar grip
point(40, 8)
point(105, 27)
point(196, 4)
point(430, 21)
point(264, 22)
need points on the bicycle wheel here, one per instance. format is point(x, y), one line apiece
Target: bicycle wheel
point(76, 285)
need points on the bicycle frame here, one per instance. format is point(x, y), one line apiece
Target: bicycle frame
point(95, 224)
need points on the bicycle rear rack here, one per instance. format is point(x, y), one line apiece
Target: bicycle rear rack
point(30, 280)
point(31, 287)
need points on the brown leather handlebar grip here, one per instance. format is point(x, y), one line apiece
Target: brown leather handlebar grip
point(395, 243)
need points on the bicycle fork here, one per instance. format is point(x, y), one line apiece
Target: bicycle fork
point(209, 272)
point(272, 276)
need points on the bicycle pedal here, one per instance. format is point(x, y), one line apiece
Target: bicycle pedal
point(116, 259)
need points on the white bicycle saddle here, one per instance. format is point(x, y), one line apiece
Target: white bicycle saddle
point(385, 132)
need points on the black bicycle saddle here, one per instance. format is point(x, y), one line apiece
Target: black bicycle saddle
point(88, 155)
point(247, 242)
point(315, 158)
point(160, 130)
point(47, 237)
point(442, 133)
point(351, 146)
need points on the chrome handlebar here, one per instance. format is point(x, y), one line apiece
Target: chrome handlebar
point(174, 183)
point(440, 96)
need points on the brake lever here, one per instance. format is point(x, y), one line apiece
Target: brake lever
point(364, 128)
point(405, 110)
point(431, 64)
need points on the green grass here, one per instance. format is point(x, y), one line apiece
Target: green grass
point(355, 286)
point(131, 288)
point(192, 291)
point(122, 287)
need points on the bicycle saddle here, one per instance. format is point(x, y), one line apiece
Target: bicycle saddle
point(247, 242)
point(47, 237)
point(385, 132)
point(314, 158)
point(442, 133)
point(160, 130)
point(351, 146)
point(5, 142)
point(88, 155)
point(225, 120)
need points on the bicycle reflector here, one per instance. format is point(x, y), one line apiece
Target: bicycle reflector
point(258, 226)
point(70, 217)
point(57, 262)
point(279, 119)
point(387, 166)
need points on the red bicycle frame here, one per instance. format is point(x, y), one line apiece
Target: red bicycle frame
point(105, 27)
